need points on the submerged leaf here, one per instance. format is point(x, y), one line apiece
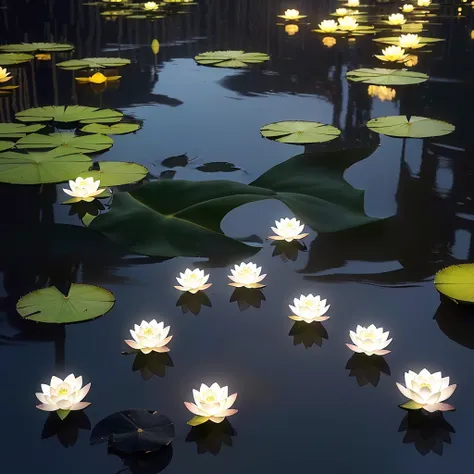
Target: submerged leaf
point(217, 167)
point(299, 132)
point(409, 127)
point(176, 161)
point(68, 114)
point(457, 282)
point(85, 143)
point(232, 59)
point(387, 77)
point(116, 129)
point(93, 63)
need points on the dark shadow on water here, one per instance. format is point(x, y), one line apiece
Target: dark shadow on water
point(144, 463)
point(367, 369)
point(308, 334)
point(67, 430)
point(288, 250)
point(193, 302)
point(209, 437)
point(82, 208)
point(457, 322)
point(247, 297)
point(153, 364)
point(427, 431)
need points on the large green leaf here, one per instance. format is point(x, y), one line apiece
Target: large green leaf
point(17, 130)
point(68, 114)
point(49, 305)
point(232, 59)
point(4, 145)
point(32, 47)
point(52, 166)
point(117, 173)
point(93, 63)
point(116, 129)
point(409, 127)
point(386, 77)
point(457, 282)
point(395, 40)
point(299, 132)
point(9, 59)
point(172, 218)
point(83, 143)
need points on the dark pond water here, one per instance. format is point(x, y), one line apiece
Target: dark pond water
point(299, 408)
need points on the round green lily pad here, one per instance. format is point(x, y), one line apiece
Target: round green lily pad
point(17, 130)
point(232, 59)
point(32, 47)
point(4, 145)
point(299, 132)
point(83, 144)
point(93, 63)
point(70, 113)
point(413, 127)
point(457, 282)
point(117, 173)
point(386, 77)
point(116, 129)
point(53, 166)
point(424, 40)
point(9, 59)
point(82, 303)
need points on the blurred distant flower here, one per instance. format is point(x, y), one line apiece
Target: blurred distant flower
point(353, 3)
point(392, 54)
point(329, 41)
point(291, 14)
point(97, 78)
point(86, 189)
point(5, 76)
point(328, 26)
point(382, 92)
point(150, 6)
point(396, 19)
point(342, 11)
point(246, 275)
point(411, 60)
point(309, 309)
point(291, 30)
point(155, 46)
point(407, 8)
point(43, 57)
point(288, 229)
point(409, 41)
point(370, 341)
point(348, 23)
point(424, 3)
point(193, 281)
point(150, 337)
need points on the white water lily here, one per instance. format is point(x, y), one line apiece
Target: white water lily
point(150, 337)
point(150, 6)
point(370, 341)
point(246, 275)
point(348, 23)
point(291, 14)
point(409, 40)
point(212, 403)
point(288, 229)
point(353, 3)
point(342, 11)
point(407, 8)
point(392, 54)
point(5, 76)
point(428, 390)
point(396, 19)
point(84, 189)
point(328, 26)
point(65, 395)
point(309, 308)
point(193, 281)
point(424, 3)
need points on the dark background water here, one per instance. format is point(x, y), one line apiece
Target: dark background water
point(298, 407)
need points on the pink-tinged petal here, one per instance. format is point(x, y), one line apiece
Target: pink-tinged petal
point(132, 344)
point(275, 237)
point(296, 318)
point(217, 419)
point(161, 349)
point(231, 400)
point(79, 406)
point(381, 352)
point(46, 407)
point(55, 381)
point(301, 236)
point(64, 404)
point(439, 407)
point(405, 391)
point(447, 392)
point(433, 399)
point(255, 285)
point(417, 398)
point(181, 288)
point(320, 319)
point(41, 397)
point(146, 350)
point(236, 285)
point(194, 409)
point(205, 287)
point(83, 392)
point(164, 341)
point(354, 348)
point(229, 412)
point(431, 408)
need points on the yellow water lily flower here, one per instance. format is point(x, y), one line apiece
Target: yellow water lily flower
point(5, 76)
point(193, 281)
point(392, 54)
point(424, 3)
point(411, 60)
point(150, 6)
point(342, 11)
point(150, 337)
point(382, 92)
point(291, 14)
point(396, 19)
point(353, 3)
point(84, 189)
point(291, 30)
point(328, 26)
point(288, 229)
point(348, 23)
point(97, 78)
point(155, 46)
point(246, 275)
point(407, 8)
point(329, 41)
point(409, 41)
point(369, 341)
point(309, 309)
point(43, 57)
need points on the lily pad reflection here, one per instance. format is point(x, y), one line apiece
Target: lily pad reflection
point(367, 369)
point(247, 297)
point(308, 334)
point(210, 437)
point(193, 302)
point(67, 430)
point(288, 250)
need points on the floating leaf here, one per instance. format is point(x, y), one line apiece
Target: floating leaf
point(132, 431)
point(82, 144)
point(217, 167)
point(54, 166)
point(32, 47)
point(232, 59)
point(299, 132)
point(70, 113)
point(17, 130)
point(117, 173)
point(49, 305)
point(387, 77)
point(9, 59)
point(116, 129)
point(413, 127)
point(93, 63)
point(6, 145)
point(396, 40)
point(411, 405)
point(176, 161)
point(457, 282)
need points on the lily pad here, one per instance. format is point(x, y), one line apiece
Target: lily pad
point(32, 47)
point(4, 145)
point(386, 77)
point(395, 40)
point(409, 127)
point(132, 431)
point(82, 144)
point(82, 303)
point(17, 130)
point(54, 166)
point(117, 173)
point(232, 59)
point(299, 132)
point(457, 282)
point(116, 129)
point(9, 59)
point(68, 114)
point(93, 63)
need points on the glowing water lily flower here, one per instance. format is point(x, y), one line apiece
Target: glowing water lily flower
point(97, 78)
point(86, 189)
point(348, 23)
point(150, 6)
point(370, 341)
point(396, 19)
point(382, 92)
point(427, 390)
point(288, 229)
point(309, 308)
point(193, 281)
point(211, 403)
point(392, 53)
point(411, 60)
point(329, 41)
point(246, 275)
point(291, 14)
point(424, 3)
point(409, 41)
point(328, 26)
point(291, 30)
point(43, 57)
point(5, 76)
point(64, 395)
point(353, 3)
point(150, 337)
point(407, 8)
point(342, 11)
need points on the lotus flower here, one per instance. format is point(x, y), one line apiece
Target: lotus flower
point(409, 41)
point(428, 391)
point(353, 3)
point(84, 189)
point(291, 14)
point(309, 308)
point(328, 26)
point(246, 275)
point(348, 23)
point(369, 340)
point(382, 92)
point(150, 337)
point(329, 41)
point(392, 54)
point(150, 6)
point(65, 395)
point(211, 403)
point(291, 30)
point(97, 78)
point(342, 11)
point(193, 281)
point(407, 8)
point(5, 76)
point(396, 19)
point(288, 230)
point(424, 3)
